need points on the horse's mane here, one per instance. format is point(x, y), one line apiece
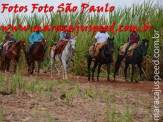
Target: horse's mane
point(15, 45)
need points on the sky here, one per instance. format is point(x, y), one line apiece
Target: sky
point(55, 3)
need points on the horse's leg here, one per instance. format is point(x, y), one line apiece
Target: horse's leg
point(94, 67)
point(52, 63)
point(108, 71)
point(117, 64)
point(39, 65)
point(140, 71)
point(89, 64)
point(65, 69)
point(59, 69)
point(52, 66)
point(33, 67)
point(29, 68)
point(99, 68)
point(15, 64)
point(133, 69)
point(125, 69)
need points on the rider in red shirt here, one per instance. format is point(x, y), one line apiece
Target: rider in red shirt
point(133, 38)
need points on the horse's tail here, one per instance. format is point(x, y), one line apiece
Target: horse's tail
point(118, 63)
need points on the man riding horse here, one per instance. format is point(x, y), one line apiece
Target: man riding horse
point(10, 42)
point(34, 39)
point(101, 38)
point(5, 39)
point(65, 36)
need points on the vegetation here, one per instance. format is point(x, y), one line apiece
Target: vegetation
point(69, 95)
point(134, 15)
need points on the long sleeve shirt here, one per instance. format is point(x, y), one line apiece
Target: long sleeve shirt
point(64, 36)
point(35, 37)
point(12, 40)
point(133, 38)
point(6, 38)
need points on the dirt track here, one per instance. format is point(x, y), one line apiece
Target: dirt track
point(135, 98)
point(145, 86)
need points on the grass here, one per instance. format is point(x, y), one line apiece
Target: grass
point(134, 15)
point(50, 92)
point(1, 114)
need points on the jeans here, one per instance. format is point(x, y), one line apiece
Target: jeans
point(125, 54)
point(31, 48)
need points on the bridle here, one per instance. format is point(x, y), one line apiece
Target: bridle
point(107, 44)
point(70, 48)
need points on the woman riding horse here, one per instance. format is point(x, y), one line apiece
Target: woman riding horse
point(137, 57)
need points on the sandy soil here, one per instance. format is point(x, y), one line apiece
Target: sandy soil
point(89, 105)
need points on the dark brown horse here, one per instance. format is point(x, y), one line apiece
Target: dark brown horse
point(12, 55)
point(37, 55)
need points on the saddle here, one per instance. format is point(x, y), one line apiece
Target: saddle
point(130, 50)
point(94, 50)
point(60, 47)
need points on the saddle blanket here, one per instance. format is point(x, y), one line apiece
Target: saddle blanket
point(130, 50)
point(61, 46)
point(8, 45)
point(95, 49)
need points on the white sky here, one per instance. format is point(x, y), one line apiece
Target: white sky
point(55, 3)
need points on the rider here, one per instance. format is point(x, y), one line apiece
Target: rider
point(11, 41)
point(64, 36)
point(101, 37)
point(133, 38)
point(5, 38)
point(34, 38)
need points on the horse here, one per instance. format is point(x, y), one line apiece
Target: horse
point(104, 57)
point(139, 52)
point(37, 55)
point(64, 57)
point(13, 54)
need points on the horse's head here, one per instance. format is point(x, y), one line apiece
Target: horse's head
point(145, 46)
point(22, 44)
point(44, 43)
point(72, 43)
point(110, 45)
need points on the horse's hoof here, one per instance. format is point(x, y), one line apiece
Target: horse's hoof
point(127, 80)
point(136, 81)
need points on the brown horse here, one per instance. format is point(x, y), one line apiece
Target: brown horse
point(37, 55)
point(12, 55)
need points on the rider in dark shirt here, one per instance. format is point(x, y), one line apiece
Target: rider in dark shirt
point(133, 38)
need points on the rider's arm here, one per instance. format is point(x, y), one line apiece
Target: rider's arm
point(96, 37)
point(42, 36)
point(4, 38)
point(138, 38)
point(94, 40)
point(62, 36)
point(31, 38)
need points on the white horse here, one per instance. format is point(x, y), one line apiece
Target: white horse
point(64, 57)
